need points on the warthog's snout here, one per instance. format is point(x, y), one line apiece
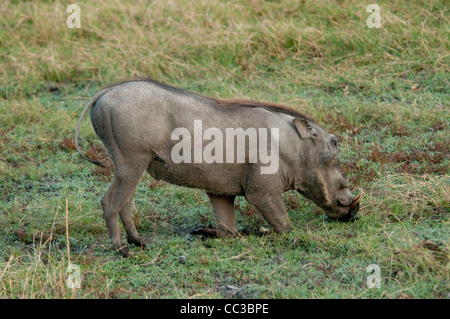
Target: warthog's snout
point(352, 209)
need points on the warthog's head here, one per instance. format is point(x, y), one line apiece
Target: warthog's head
point(320, 178)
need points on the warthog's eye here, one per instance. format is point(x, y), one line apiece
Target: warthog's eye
point(334, 141)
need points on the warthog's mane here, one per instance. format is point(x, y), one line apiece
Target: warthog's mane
point(273, 107)
point(228, 103)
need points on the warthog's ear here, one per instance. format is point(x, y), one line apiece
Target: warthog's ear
point(304, 127)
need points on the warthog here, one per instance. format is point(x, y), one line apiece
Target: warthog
point(136, 121)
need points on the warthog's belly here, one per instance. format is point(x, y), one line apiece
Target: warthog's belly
point(214, 178)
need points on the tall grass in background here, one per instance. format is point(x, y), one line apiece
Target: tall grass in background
point(225, 40)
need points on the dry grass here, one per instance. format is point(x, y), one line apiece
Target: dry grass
point(179, 40)
point(416, 196)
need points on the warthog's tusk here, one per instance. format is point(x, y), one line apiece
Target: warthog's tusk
point(356, 200)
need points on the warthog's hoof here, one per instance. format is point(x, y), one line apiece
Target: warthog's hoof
point(137, 242)
point(210, 231)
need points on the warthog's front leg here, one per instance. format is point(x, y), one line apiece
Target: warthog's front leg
point(265, 192)
point(223, 208)
point(273, 210)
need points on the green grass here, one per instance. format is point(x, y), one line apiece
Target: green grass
point(384, 92)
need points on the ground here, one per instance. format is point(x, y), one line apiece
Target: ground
point(383, 91)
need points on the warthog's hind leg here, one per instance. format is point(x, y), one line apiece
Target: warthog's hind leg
point(118, 201)
point(132, 234)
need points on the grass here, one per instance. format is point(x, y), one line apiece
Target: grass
point(384, 92)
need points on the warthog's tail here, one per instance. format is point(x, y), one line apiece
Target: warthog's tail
point(80, 120)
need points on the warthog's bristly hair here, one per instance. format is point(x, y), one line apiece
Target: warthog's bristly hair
point(273, 107)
